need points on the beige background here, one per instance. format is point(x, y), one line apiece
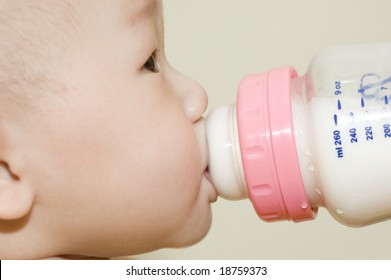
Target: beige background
point(217, 42)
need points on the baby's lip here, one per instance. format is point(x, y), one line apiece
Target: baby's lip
point(212, 192)
point(207, 175)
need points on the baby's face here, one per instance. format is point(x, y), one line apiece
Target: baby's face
point(115, 151)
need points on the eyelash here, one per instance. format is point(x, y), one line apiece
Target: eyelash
point(152, 63)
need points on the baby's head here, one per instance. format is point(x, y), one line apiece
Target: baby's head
point(102, 145)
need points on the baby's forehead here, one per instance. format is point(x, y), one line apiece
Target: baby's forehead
point(64, 12)
point(38, 24)
point(32, 31)
point(27, 23)
point(29, 30)
point(138, 10)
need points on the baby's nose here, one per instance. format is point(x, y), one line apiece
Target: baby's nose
point(195, 102)
point(194, 98)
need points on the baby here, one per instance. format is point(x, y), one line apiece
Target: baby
point(102, 144)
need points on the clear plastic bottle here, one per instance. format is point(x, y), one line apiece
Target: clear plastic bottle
point(293, 144)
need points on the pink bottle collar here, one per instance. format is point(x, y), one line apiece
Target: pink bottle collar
point(268, 147)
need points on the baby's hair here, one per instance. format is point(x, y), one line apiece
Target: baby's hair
point(30, 34)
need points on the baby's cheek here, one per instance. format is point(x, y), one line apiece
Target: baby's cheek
point(180, 162)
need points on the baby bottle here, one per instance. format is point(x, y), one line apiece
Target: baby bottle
point(292, 144)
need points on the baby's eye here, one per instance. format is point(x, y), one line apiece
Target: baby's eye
point(152, 64)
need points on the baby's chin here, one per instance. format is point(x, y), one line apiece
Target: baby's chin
point(186, 239)
point(193, 234)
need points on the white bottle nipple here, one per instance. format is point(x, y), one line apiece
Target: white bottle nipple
point(225, 162)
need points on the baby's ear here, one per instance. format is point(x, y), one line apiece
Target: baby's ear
point(16, 197)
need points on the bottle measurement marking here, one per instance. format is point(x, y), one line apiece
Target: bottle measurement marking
point(354, 132)
point(387, 130)
point(338, 143)
point(369, 133)
point(353, 135)
point(351, 115)
point(337, 133)
point(374, 88)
